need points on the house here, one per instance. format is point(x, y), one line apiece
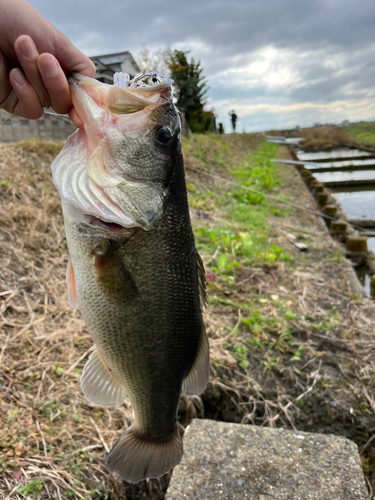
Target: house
point(108, 64)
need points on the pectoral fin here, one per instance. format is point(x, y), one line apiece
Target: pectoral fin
point(71, 283)
point(112, 273)
point(197, 378)
point(99, 385)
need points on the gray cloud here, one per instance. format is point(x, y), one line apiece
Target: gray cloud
point(292, 54)
point(235, 26)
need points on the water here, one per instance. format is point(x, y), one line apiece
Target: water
point(334, 153)
point(364, 278)
point(371, 241)
point(341, 164)
point(362, 271)
point(358, 175)
point(357, 203)
point(290, 141)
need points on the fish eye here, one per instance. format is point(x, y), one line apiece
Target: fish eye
point(164, 135)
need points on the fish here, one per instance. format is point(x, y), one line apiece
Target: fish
point(134, 271)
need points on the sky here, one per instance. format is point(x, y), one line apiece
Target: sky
point(277, 63)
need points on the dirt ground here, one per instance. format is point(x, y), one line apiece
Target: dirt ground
point(53, 440)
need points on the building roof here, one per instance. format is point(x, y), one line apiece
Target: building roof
point(114, 58)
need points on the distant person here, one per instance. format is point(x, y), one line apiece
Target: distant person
point(233, 119)
point(34, 59)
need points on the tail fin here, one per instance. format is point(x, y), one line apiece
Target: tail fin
point(135, 458)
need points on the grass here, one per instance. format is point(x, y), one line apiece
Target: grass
point(240, 239)
point(363, 133)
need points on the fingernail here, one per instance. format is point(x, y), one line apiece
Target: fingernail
point(28, 48)
point(48, 66)
point(19, 78)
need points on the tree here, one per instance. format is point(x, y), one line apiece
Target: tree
point(190, 90)
point(190, 85)
point(153, 60)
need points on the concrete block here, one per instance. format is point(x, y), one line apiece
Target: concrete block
point(356, 243)
point(224, 461)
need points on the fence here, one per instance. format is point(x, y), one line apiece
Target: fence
point(50, 128)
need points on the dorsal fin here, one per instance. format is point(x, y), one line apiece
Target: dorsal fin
point(201, 282)
point(196, 380)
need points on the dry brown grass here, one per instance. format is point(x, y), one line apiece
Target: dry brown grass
point(51, 434)
point(325, 138)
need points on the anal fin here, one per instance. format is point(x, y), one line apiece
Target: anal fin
point(71, 283)
point(99, 385)
point(196, 380)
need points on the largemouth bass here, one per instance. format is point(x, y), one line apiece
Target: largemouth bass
point(134, 271)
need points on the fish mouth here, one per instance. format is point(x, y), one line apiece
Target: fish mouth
point(130, 108)
point(116, 233)
point(103, 224)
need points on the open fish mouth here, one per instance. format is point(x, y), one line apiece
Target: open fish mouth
point(100, 223)
point(129, 102)
point(98, 172)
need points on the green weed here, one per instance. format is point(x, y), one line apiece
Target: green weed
point(240, 354)
point(290, 315)
point(5, 183)
point(32, 490)
point(49, 408)
point(362, 132)
point(271, 362)
point(242, 239)
point(58, 370)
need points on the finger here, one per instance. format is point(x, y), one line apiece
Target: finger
point(5, 86)
point(74, 61)
point(28, 56)
point(28, 105)
point(75, 118)
point(55, 82)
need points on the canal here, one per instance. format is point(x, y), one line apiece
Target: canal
point(350, 174)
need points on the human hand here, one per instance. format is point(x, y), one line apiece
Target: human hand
point(30, 42)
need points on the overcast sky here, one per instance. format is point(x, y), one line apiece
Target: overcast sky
point(277, 63)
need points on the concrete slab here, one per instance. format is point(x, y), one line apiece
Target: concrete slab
point(224, 461)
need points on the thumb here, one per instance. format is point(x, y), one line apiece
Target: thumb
point(73, 60)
